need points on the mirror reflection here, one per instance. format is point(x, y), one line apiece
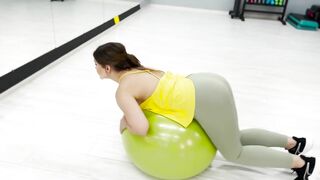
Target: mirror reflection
point(30, 28)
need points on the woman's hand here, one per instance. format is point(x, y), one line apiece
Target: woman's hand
point(123, 124)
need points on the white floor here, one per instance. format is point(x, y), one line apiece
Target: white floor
point(62, 124)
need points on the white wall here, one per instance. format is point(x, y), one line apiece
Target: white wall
point(297, 6)
point(300, 6)
point(205, 4)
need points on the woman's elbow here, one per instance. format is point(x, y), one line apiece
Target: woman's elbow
point(140, 127)
point(142, 130)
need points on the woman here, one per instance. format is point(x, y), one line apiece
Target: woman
point(178, 97)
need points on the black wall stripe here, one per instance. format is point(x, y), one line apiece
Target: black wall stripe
point(129, 12)
point(14, 77)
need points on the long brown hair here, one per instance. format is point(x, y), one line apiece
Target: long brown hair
point(115, 55)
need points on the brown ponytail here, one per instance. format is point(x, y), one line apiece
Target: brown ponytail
point(115, 55)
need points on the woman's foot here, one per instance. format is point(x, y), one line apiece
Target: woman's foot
point(306, 170)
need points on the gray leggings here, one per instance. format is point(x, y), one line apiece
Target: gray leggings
point(216, 112)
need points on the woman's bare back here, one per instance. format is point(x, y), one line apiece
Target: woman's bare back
point(141, 85)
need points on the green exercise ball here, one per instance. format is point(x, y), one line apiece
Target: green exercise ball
point(170, 151)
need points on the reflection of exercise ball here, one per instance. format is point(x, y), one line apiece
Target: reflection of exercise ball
point(170, 151)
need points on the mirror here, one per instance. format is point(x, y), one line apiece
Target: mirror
point(31, 28)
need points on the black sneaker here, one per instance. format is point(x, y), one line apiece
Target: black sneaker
point(305, 171)
point(299, 147)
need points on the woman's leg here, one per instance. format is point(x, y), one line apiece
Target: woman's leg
point(216, 112)
point(263, 138)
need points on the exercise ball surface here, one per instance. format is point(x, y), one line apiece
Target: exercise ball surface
point(170, 151)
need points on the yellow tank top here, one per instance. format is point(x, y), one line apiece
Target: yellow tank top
point(174, 98)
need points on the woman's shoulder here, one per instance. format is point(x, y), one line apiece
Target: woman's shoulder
point(141, 84)
point(132, 85)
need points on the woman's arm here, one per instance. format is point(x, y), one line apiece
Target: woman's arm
point(136, 121)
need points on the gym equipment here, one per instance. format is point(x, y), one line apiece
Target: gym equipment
point(170, 151)
point(278, 7)
point(302, 22)
point(314, 13)
point(236, 9)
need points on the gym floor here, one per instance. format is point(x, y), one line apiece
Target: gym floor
point(62, 123)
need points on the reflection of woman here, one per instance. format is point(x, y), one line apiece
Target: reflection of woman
point(203, 96)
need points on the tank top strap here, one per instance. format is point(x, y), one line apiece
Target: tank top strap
point(133, 72)
point(151, 73)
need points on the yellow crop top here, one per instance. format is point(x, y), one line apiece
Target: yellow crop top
point(174, 98)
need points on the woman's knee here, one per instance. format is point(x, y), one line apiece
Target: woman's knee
point(231, 155)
